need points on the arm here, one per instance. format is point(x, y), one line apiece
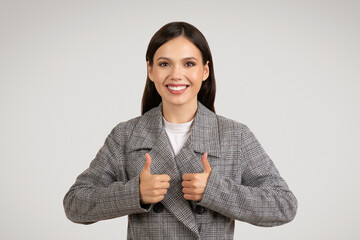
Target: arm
point(263, 198)
point(103, 190)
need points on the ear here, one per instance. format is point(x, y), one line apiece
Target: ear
point(206, 71)
point(149, 70)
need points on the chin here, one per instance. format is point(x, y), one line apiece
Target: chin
point(181, 102)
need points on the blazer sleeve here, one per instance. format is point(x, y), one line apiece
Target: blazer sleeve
point(103, 191)
point(261, 197)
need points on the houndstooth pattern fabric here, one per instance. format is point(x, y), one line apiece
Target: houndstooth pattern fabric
point(244, 183)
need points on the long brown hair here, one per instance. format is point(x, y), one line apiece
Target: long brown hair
point(206, 95)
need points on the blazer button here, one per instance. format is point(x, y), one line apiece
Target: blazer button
point(199, 209)
point(158, 207)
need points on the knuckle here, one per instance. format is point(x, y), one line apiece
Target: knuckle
point(199, 191)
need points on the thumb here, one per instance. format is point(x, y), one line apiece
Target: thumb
point(207, 168)
point(147, 163)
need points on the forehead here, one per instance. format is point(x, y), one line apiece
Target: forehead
point(178, 47)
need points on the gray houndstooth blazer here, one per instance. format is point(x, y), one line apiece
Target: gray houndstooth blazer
point(244, 184)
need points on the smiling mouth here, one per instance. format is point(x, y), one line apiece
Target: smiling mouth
point(176, 88)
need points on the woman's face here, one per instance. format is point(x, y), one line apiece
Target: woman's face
point(178, 72)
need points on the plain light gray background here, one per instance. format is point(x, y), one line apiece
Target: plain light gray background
point(71, 70)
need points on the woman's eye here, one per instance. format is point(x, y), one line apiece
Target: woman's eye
point(189, 64)
point(163, 64)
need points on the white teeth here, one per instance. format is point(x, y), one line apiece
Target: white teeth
point(177, 88)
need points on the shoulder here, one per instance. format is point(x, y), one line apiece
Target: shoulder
point(230, 125)
point(236, 133)
point(234, 130)
point(123, 130)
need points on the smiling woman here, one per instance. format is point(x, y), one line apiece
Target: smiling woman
point(168, 39)
point(178, 74)
point(179, 171)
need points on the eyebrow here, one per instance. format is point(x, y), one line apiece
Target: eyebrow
point(187, 58)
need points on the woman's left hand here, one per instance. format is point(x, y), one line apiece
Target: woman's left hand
point(194, 184)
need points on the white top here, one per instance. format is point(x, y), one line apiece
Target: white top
point(177, 134)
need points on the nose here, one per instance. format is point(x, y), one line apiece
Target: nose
point(176, 72)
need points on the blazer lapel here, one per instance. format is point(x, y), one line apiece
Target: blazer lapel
point(149, 133)
point(204, 137)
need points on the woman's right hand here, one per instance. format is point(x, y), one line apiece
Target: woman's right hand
point(152, 187)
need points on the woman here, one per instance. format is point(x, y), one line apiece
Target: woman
point(179, 170)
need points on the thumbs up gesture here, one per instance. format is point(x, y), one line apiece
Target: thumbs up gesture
point(194, 184)
point(152, 187)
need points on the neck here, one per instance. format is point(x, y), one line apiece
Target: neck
point(179, 114)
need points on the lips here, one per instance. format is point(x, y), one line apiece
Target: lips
point(176, 88)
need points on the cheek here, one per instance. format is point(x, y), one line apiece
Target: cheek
point(159, 76)
point(158, 87)
point(196, 77)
